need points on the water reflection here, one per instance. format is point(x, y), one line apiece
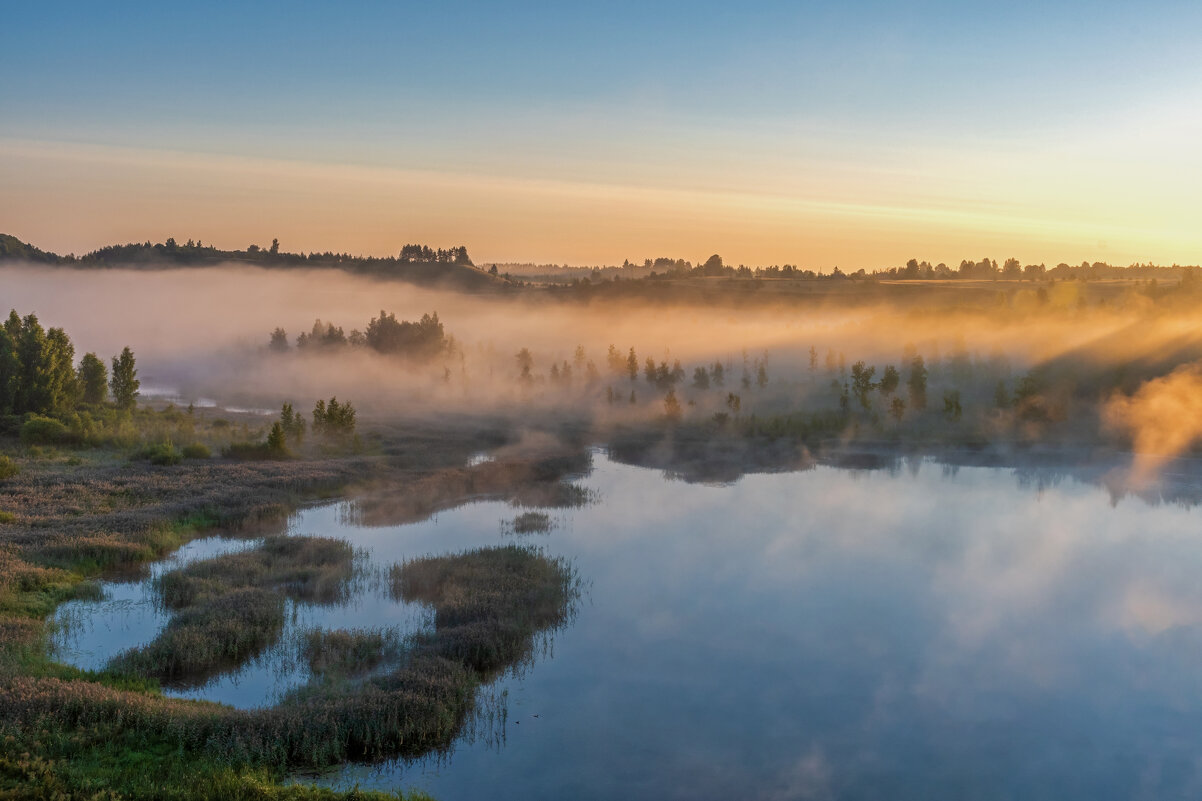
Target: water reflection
point(927, 631)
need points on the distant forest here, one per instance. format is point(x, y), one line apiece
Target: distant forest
point(452, 266)
point(416, 263)
point(715, 267)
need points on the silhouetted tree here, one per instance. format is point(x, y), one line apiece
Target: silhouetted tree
point(334, 419)
point(30, 395)
point(525, 363)
point(276, 439)
point(124, 381)
point(323, 335)
point(861, 382)
point(93, 379)
point(897, 409)
point(615, 361)
point(425, 338)
point(917, 382)
point(951, 405)
point(671, 405)
point(890, 380)
point(701, 379)
point(59, 384)
point(279, 340)
point(10, 370)
point(293, 424)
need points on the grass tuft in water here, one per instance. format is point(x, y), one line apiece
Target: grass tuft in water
point(231, 608)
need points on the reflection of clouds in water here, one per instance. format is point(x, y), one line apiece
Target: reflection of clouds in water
point(835, 634)
point(1148, 608)
point(808, 779)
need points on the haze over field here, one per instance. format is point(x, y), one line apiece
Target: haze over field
point(1125, 359)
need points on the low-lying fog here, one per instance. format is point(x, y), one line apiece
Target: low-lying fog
point(204, 333)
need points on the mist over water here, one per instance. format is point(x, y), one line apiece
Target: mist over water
point(204, 330)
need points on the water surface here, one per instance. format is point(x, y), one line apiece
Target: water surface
point(924, 632)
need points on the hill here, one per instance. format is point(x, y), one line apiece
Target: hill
point(418, 264)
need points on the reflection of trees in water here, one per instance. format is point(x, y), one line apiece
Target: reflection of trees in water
point(725, 461)
point(536, 483)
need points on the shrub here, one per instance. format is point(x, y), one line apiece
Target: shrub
point(8, 468)
point(39, 430)
point(163, 453)
point(196, 450)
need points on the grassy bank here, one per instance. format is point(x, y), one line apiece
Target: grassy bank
point(70, 514)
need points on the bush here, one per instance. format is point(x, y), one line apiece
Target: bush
point(196, 450)
point(163, 453)
point(8, 468)
point(39, 430)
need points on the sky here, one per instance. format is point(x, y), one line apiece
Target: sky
point(852, 134)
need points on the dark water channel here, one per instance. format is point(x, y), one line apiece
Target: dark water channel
point(916, 633)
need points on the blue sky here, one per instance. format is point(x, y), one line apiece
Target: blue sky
point(649, 94)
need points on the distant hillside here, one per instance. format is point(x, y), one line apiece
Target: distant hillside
point(13, 248)
point(418, 264)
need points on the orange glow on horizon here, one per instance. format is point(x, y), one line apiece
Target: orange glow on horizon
point(74, 198)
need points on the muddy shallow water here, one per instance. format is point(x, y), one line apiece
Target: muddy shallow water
point(922, 632)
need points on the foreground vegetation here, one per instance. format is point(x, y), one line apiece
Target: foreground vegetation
point(77, 509)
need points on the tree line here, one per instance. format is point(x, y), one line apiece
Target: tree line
point(385, 334)
point(38, 374)
point(416, 263)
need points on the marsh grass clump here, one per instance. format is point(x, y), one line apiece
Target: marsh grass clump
point(489, 603)
point(348, 653)
point(529, 523)
point(205, 640)
point(231, 608)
